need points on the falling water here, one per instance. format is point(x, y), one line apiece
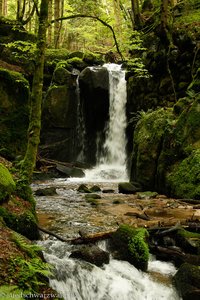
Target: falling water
point(112, 160)
point(79, 280)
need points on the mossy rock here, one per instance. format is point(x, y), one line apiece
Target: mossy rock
point(24, 223)
point(83, 189)
point(188, 241)
point(131, 245)
point(187, 281)
point(148, 137)
point(184, 178)
point(77, 63)
point(7, 184)
point(14, 113)
point(95, 188)
point(62, 76)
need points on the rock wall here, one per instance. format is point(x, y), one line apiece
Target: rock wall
point(166, 150)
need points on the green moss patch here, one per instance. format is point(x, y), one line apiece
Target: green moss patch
point(184, 179)
point(7, 185)
point(132, 245)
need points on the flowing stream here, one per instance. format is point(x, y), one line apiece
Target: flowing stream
point(68, 212)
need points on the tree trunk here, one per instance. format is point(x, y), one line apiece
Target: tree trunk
point(36, 96)
point(136, 14)
point(56, 25)
point(49, 36)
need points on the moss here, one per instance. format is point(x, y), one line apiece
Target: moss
point(132, 245)
point(187, 281)
point(78, 63)
point(184, 179)
point(7, 184)
point(93, 196)
point(148, 138)
point(14, 113)
point(24, 223)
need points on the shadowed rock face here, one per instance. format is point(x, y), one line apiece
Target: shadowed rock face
point(94, 89)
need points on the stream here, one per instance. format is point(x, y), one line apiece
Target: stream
point(68, 212)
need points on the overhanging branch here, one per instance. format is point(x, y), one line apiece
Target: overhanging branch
point(97, 19)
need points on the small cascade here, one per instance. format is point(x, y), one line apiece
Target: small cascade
point(111, 160)
point(118, 280)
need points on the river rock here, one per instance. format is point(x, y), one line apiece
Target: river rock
point(83, 189)
point(187, 281)
point(51, 191)
point(127, 188)
point(92, 254)
point(95, 188)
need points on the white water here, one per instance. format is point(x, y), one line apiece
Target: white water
point(111, 164)
point(118, 280)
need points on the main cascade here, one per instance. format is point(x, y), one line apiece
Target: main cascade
point(111, 160)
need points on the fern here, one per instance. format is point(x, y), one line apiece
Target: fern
point(21, 242)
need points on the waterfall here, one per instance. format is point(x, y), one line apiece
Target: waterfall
point(111, 160)
point(115, 143)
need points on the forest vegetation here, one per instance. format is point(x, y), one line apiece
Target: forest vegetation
point(41, 42)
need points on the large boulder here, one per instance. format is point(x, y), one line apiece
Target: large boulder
point(187, 281)
point(128, 188)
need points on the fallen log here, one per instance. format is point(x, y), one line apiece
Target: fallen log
point(84, 239)
point(189, 201)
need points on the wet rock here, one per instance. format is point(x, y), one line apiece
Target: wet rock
point(108, 191)
point(76, 172)
point(187, 281)
point(127, 188)
point(92, 254)
point(46, 192)
point(83, 189)
point(188, 241)
point(95, 188)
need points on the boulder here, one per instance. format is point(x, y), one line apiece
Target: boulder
point(92, 254)
point(130, 244)
point(187, 281)
point(127, 188)
point(7, 184)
